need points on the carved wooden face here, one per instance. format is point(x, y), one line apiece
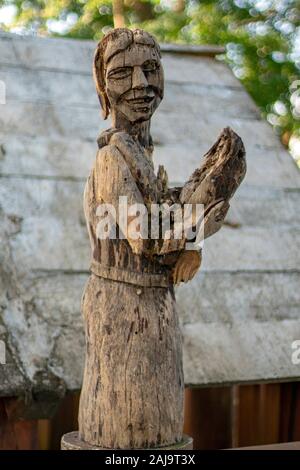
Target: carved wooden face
point(134, 82)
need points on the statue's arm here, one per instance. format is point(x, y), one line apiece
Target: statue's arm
point(113, 181)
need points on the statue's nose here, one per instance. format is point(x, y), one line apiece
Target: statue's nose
point(139, 79)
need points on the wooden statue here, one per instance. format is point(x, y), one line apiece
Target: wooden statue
point(132, 393)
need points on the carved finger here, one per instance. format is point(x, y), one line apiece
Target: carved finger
point(213, 221)
point(193, 273)
point(180, 274)
point(185, 273)
point(175, 274)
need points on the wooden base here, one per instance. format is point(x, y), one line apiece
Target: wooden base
point(71, 441)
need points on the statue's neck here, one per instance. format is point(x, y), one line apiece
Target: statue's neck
point(139, 130)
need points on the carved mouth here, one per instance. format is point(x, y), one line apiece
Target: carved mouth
point(141, 101)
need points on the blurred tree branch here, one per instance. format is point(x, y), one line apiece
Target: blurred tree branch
point(118, 13)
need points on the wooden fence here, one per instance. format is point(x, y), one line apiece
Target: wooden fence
point(217, 418)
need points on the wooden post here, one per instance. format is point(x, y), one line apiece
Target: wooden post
point(132, 394)
point(208, 417)
point(16, 434)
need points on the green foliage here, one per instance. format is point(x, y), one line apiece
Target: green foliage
point(258, 48)
point(260, 38)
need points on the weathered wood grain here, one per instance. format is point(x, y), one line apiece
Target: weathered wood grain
point(132, 393)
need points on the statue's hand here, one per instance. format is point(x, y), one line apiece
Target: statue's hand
point(186, 267)
point(214, 218)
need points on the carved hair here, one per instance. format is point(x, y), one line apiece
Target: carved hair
point(112, 43)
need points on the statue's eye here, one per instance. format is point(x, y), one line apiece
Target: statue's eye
point(120, 73)
point(150, 66)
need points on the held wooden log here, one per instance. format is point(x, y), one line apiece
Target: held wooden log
point(132, 393)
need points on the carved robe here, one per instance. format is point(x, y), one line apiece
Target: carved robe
point(129, 301)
